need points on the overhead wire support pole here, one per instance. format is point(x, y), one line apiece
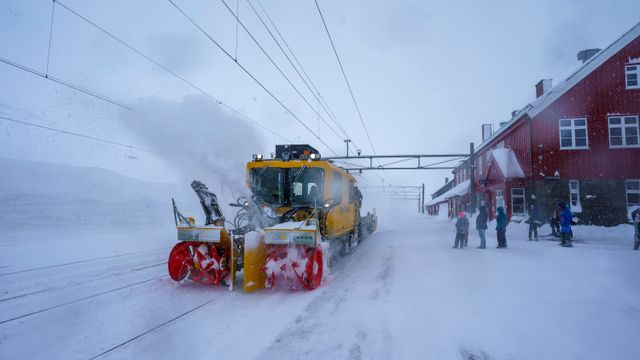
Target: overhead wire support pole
point(402, 168)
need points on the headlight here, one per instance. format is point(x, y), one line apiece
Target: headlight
point(257, 157)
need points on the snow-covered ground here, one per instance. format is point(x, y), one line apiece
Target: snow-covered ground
point(78, 282)
point(403, 293)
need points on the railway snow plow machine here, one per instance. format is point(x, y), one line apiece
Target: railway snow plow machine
point(302, 211)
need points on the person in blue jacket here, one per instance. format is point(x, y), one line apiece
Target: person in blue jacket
point(501, 228)
point(565, 225)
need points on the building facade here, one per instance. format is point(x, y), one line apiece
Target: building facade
point(577, 143)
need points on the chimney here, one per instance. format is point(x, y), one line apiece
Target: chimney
point(446, 180)
point(487, 130)
point(542, 87)
point(587, 54)
point(513, 113)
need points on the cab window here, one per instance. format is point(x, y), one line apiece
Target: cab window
point(266, 184)
point(336, 188)
point(306, 186)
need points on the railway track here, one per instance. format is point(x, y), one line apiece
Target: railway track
point(134, 338)
point(81, 299)
point(80, 261)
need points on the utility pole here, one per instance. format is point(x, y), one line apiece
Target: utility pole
point(472, 177)
point(422, 203)
point(347, 141)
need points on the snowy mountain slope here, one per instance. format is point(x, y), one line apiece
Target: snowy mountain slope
point(36, 194)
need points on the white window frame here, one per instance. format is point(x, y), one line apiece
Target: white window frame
point(518, 196)
point(632, 69)
point(500, 200)
point(573, 127)
point(627, 191)
point(577, 206)
point(623, 130)
point(480, 166)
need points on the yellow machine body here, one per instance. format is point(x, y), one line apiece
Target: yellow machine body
point(341, 220)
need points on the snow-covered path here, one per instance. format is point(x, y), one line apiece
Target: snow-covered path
point(403, 293)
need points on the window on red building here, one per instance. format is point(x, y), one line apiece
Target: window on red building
point(632, 73)
point(517, 201)
point(499, 200)
point(633, 192)
point(573, 134)
point(574, 196)
point(623, 131)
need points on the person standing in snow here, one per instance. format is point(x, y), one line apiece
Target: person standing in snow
point(635, 215)
point(554, 222)
point(501, 228)
point(481, 226)
point(462, 230)
point(565, 225)
point(533, 221)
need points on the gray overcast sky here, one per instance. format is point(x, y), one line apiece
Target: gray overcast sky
point(426, 74)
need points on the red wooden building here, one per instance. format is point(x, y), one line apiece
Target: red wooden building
point(578, 142)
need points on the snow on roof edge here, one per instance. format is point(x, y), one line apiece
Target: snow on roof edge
point(457, 190)
point(507, 163)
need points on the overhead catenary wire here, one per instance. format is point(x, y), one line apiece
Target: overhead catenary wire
point(295, 88)
point(169, 71)
point(344, 74)
point(49, 128)
point(194, 23)
point(284, 41)
point(307, 82)
point(53, 11)
point(62, 82)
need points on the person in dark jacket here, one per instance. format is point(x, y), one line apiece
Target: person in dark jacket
point(565, 225)
point(501, 228)
point(635, 216)
point(534, 222)
point(481, 226)
point(554, 221)
point(462, 230)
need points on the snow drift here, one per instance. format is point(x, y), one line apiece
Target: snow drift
point(37, 194)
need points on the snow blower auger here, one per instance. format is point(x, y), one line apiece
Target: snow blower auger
point(302, 211)
point(204, 252)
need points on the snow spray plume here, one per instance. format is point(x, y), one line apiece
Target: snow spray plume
point(199, 139)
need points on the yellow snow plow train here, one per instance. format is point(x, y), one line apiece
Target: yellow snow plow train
point(302, 211)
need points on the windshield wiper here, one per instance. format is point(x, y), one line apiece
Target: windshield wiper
point(263, 170)
point(299, 173)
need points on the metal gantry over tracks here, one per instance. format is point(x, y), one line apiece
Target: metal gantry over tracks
point(361, 163)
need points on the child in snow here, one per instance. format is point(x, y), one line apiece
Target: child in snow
point(565, 225)
point(462, 230)
point(481, 226)
point(635, 215)
point(501, 228)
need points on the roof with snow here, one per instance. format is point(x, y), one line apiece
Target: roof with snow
point(534, 108)
point(457, 190)
point(507, 162)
